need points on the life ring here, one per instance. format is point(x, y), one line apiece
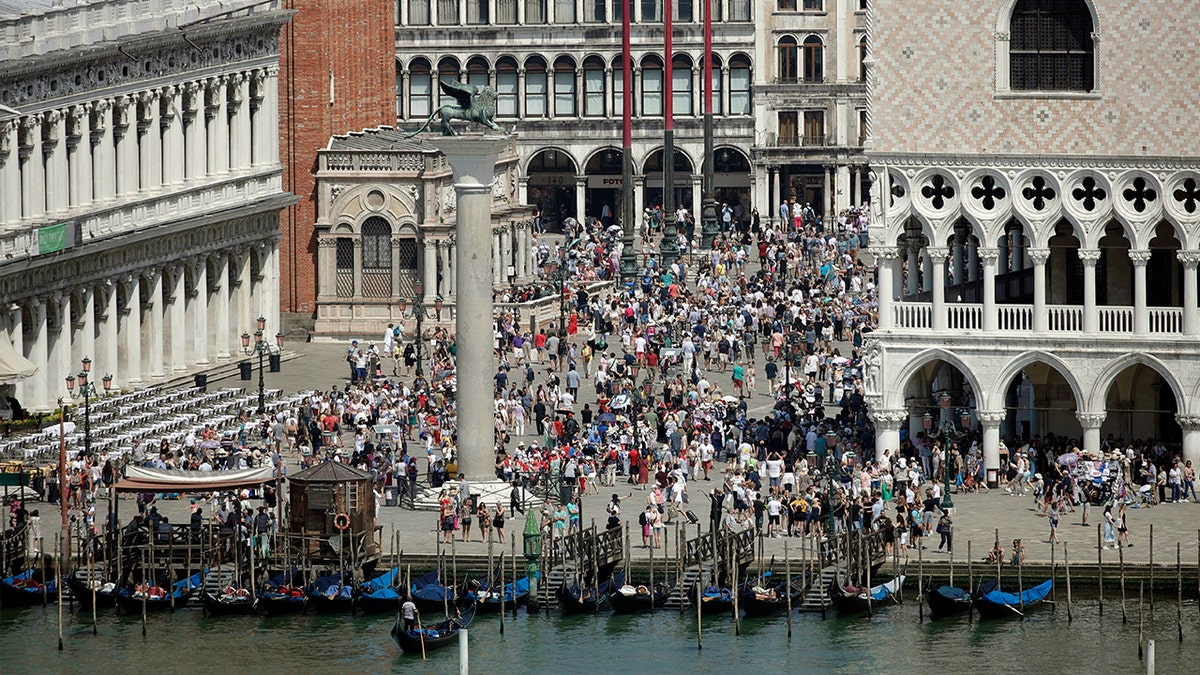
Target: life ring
point(341, 521)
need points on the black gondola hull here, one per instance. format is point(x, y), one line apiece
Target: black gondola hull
point(943, 605)
point(445, 633)
point(216, 606)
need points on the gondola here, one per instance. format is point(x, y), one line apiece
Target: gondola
point(26, 590)
point(851, 600)
point(81, 591)
point(576, 599)
point(380, 595)
point(328, 595)
point(628, 599)
point(430, 595)
point(769, 594)
point(230, 601)
point(436, 636)
point(1001, 605)
point(947, 601)
point(715, 600)
point(281, 594)
point(157, 599)
point(487, 600)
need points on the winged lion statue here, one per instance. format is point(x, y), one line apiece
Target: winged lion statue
point(476, 103)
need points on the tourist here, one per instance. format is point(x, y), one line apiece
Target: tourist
point(1110, 534)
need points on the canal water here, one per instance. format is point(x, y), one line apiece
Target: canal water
point(893, 640)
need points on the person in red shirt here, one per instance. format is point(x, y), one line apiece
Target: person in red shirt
point(634, 457)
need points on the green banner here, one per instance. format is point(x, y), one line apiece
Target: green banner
point(51, 238)
point(14, 479)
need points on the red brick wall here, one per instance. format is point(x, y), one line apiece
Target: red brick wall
point(355, 39)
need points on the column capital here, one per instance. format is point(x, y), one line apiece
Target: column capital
point(938, 253)
point(1139, 257)
point(988, 255)
point(1189, 258)
point(1038, 255)
point(888, 417)
point(991, 418)
point(885, 252)
point(1188, 422)
point(1088, 256)
point(1092, 420)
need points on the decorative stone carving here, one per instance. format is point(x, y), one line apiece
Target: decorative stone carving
point(991, 418)
point(449, 198)
point(1139, 257)
point(1039, 256)
point(1188, 422)
point(1091, 420)
point(1189, 258)
point(8, 129)
point(872, 360)
point(888, 418)
point(1089, 256)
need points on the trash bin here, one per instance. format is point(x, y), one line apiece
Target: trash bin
point(273, 363)
point(202, 381)
point(390, 497)
point(244, 369)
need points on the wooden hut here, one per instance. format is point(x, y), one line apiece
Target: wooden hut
point(319, 496)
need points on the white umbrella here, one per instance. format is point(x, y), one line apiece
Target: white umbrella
point(620, 401)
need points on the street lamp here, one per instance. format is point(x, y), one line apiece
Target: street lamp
point(949, 435)
point(262, 348)
point(88, 391)
point(531, 546)
point(420, 311)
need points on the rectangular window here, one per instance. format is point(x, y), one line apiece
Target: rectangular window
point(418, 12)
point(652, 11)
point(479, 77)
point(594, 10)
point(718, 107)
point(785, 5)
point(399, 96)
point(789, 130)
point(814, 5)
point(535, 93)
point(739, 10)
point(618, 80)
point(564, 11)
point(682, 11)
point(652, 89)
point(420, 98)
point(447, 12)
point(862, 126)
point(593, 92)
point(681, 91)
point(564, 93)
point(506, 12)
point(506, 94)
point(739, 91)
point(477, 12)
point(814, 127)
point(535, 12)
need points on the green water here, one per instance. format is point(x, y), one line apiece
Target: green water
point(894, 641)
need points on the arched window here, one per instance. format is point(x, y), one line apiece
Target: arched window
point(399, 91)
point(477, 72)
point(564, 87)
point(814, 59)
point(593, 87)
point(418, 12)
point(681, 86)
point(535, 88)
point(717, 85)
point(447, 71)
point(420, 89)
point(739, 85)
point(862, 59)
point(506, 88)
point(376, 258)
point(652, 87)
point(618, 88)
point(789, 67)
point(1051, 46)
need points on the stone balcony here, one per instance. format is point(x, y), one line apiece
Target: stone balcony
point(1060, 319)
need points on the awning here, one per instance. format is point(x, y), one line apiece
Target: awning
point(13, 366)
point(141, 479)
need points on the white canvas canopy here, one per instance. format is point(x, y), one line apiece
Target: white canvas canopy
point(13, 366)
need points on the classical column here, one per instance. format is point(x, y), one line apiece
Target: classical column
point(990, 317)
point(639, 195)
point(429, 269)
point(131, 333)
point(777, 182)
point(1091, 423)
point(972, 263)
point(887, 430)
point(1191, 316)
point(956, 258)
point(358, 256)
point(473, 161)
point(79, 154)
point(856, 185)
point(60, 362)
point(177, 325)
point(239, 147)
point(268, 285)
point(124, 119)
point(841, 194)
point(217, 112)
point(173, 155)
point(1091, 318)
point(54, 145)
point(444, 258)
point(10, 173)
point(990, 421)
point(85, 344)
point(1141, 317)
point(218, 317)
point(327, 261)
point(198, 312)
point(580, 194)
point(937, 255)
point(1191, 437)
point(109, 347)
point(886, 257)
point(243, 313)
point(39, 354)
point(150, 156)
point(453, 267)
point(155, 338)
point(33, 170)
point(195, 141)
point(828, 205)
point(496, 275)
point(914, 269)
point(258, 117)
point(13, 315)
point(1041, 320)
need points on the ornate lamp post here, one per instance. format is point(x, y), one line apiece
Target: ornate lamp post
point(531, 546)
point(420, 311)
point(262, 348)
point(88, 391)
point(948, 435)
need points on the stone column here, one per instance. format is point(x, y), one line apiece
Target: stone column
point(887, 256)
point(776, 179)
point(16, 336)
point(54, 145)
point(444, 257)
point(39, 353)
point(990, 317)
point(580, 194)
point(218, 318)
point(177, 325)
point(841, 194)
point(10, 174)
point(828, 206)
point(198, 311)
point(155, 336)
point(887, 429)
point(1091, 317)
point(109, 354)
point(173, 156)
point(125, 144)
point(258, 117)
point(956, 259)
point(1141, 317)
point(270, 301)
point(131, 333)
point(85, 345)
point(1091, 423)
point(357, 242)
point(239, 103)
point(1191, 437)
point(243, 313)
point(195, 141)
point(990, 421)
point(79, 155)
point(60, 364)
point(150, 155)
point(914, 269)
point(1041, 320)
point(495, 265)
point(453, 267)
point(104, 159)
point(972, 262)
point(1191, 316)
point(429, 270)
point(33, 172)
point(937, 255)
point(473, 161)
point(218, 125)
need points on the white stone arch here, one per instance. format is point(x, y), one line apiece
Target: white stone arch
point(1186, 222)
point(995, 397)
point(924, 180)
point(352, 205)
point(975, 208)
point(641, 163)
point(1105, 378)
point(546, 148)
point(1028, 194)
point(893, 391)
point(1003, 34)
point(1140, 223)
point(897, 208)
point(1090, 223)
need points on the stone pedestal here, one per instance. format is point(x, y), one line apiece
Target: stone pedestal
point(473, 161)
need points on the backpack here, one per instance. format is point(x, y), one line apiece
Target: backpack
point(642, 518)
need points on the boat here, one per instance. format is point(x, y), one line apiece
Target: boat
point(852, 600)
point(769, 595)
point(627, 599)
point(26, 589)
point(714, 600)
point(576, 599)
point(487, 600)
point(380, 595)
point(946, 601)
point(154, 598)
point(1000, 605)
point(428, 638)
point(328, 595)
point(430, 595)
point(230, 601)
point(105, 593)
point(281, 594)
